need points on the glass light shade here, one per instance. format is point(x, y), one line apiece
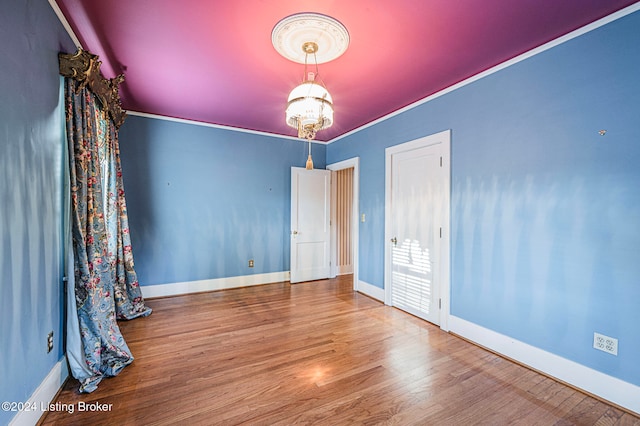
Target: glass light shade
point(310, 104)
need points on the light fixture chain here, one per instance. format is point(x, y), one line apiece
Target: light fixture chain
point(305, 76)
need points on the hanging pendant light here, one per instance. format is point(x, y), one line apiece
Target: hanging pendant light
point(309, 105)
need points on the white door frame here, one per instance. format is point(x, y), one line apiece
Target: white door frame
point(443, 138)
point(355, 214)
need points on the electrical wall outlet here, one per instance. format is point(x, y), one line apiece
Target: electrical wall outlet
point(605, 343)
point(250, 263)
point(50, 342)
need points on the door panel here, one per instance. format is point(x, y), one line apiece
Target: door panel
point(414, 251)
point(310, 219)
point(416, 227)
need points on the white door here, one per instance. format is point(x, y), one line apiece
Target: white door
point(310, 218)
point(418, 187)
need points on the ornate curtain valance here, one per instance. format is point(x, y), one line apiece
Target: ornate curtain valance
point(85, 68)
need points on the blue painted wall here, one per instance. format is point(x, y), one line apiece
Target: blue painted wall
point(31, 155)
point(545, 213)
point(202, 201)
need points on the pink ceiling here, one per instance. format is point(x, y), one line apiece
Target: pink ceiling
point(212, 60)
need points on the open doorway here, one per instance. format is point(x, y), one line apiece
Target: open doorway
point(343, 182)
point(344, 218)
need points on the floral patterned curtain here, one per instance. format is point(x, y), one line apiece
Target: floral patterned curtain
point(104, 283)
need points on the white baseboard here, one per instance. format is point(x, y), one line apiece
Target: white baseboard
point(175, 289)
point(43, 395)
point(609, 388)
point(371, 290)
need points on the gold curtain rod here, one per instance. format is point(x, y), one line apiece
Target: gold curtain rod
point(85, 68)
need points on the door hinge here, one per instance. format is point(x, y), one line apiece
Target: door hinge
point(440, 232)
point(440, 161)
point(439, 303)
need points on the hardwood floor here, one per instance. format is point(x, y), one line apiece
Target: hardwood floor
point(315, 353)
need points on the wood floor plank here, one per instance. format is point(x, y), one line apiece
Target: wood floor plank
point(316, 353)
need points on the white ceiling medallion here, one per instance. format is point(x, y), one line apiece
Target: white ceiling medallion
point(292, 32)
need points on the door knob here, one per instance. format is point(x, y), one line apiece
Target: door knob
point(394, 240)
point(295, 232)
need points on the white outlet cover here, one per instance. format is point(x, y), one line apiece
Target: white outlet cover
point(605, 343)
